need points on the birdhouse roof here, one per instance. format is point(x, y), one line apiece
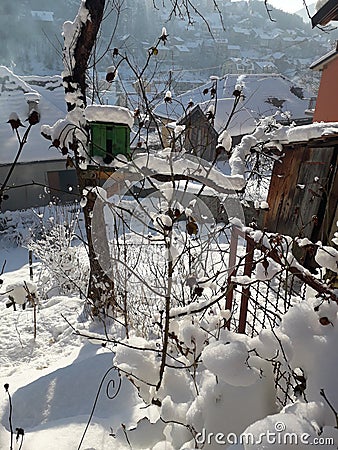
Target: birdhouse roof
point(109, 114)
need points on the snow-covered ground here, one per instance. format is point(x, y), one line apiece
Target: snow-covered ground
point(53, 380)
point(67, 394)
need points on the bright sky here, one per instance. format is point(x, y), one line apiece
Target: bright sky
point(290, 6)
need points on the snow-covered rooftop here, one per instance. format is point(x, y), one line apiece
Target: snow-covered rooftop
point(14, 93)
point(264, 95)
point(44, 16)
point(182, 48)
point(242, 122)
point(316, 130)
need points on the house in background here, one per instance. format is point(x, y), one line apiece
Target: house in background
point(326, 109)
point(40, 175)
point(263, 95)
point(43, 16)
point(200, 138)
point(327, 100)
point(304, 201)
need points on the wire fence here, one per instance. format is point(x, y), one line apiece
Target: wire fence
point(260, 304)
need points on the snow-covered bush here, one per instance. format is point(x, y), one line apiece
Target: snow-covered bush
point(16, 227)
point(216, 382)
point(227, 387)
point(64, 260)
point(311, 328)
point(18, 293)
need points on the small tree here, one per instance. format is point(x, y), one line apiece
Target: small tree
point(71, 135)
point(80, 38)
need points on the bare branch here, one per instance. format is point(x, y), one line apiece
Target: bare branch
point(268, 10)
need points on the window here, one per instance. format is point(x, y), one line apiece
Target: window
point(63, 185)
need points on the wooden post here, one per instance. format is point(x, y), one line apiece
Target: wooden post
point(246, 290)
point(30, 260)
point(231, 269)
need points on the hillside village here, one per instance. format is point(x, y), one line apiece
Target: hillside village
point(243, 40)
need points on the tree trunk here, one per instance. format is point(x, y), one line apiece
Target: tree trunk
point(101, 287)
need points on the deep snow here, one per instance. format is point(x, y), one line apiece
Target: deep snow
point(54, 380)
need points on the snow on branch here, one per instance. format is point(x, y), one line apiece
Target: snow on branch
point(71, 32)
point(274, 135)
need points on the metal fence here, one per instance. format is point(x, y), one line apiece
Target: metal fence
point(261, 305)
point(256, 305)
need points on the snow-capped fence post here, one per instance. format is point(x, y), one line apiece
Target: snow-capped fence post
point(254, 309)
point(248, 268)
point(231, 269)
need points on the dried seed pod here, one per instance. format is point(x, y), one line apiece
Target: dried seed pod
point(324, 321)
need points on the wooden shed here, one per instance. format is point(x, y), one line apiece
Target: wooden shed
point(200, 136)
point(303, 192)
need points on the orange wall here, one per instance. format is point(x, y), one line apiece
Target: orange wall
point(327, 100)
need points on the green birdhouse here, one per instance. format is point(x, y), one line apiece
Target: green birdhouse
point(109, 140)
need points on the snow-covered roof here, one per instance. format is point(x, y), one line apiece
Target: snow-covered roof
point(326, 11)
point(320, 63)
point(109, 113)
point(234, 47)
point(221, 40)
point(182, 48)
point(241, 31)
point(177, 39)
point(294, 39)
point(316, 130)
point(45, 16)
point(277, 137)
point(267, 36)
point(242, 122)
point(262, 95)
point(266, 65)
point(194, 44)
point(14, 93)
point(278, 55)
